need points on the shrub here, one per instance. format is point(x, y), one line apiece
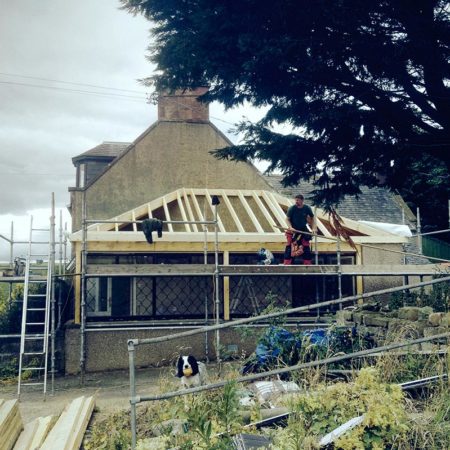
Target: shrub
point(321, 411)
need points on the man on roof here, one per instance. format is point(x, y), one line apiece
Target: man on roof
point(298, 217)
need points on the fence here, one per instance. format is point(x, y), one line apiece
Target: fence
point(133, 343)
point(435, 247)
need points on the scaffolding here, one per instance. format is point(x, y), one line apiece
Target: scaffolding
point(21, 273)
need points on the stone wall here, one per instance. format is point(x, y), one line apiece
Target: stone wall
point(409, 322)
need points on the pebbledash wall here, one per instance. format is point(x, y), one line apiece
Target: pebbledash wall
point(107, 350)
point(370, 256)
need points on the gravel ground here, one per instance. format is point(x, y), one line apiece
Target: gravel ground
point(112, 391)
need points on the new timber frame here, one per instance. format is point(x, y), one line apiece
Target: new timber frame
point(245, 222)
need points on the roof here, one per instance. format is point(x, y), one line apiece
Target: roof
point(108, 150)
point(243, 216)
point(373, 204)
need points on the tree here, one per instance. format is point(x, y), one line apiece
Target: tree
point(363, 86)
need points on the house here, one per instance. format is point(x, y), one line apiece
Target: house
point(135, 288)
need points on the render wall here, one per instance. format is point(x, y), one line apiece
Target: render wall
point(107, 350)
point(168, 156)
point(372, 256)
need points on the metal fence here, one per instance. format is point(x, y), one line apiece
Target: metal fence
point(134, 343)
point(435, 247)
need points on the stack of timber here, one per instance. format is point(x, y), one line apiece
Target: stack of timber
point(34, 433)
point(45, 433)
point(68, 432)
point(10, 423)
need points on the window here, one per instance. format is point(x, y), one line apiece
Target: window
point(98, 296)
point(81, 175)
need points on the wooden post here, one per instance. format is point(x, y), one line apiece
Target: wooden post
point(359, 279)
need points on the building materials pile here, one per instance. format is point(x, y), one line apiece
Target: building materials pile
point(10, 423)
point(45, 433)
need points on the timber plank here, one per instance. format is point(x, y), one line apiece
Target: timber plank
point(26, 437)
point(45, 424)
point(83, 418)
point(64, 427)
point(11, 425)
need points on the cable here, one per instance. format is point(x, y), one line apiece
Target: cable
point(77, 91)
point(69, 82)
point(107, 94)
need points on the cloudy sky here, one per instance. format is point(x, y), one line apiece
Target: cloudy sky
point(69, 76)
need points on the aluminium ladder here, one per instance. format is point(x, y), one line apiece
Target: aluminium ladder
point(37, 294)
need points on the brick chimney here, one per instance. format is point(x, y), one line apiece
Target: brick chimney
point(183, 106)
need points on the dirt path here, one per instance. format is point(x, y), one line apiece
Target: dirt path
point(112, 390)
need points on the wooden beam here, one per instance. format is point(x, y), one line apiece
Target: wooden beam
point(250, 213)
point(275, 208)
point(10, 424)
point(219, 221)
point(232, 212)
point(197, 206)
point(265, 213)
point(133, 218)
point(26, 437)
point(82, 420)
point(189, 210)
point(359, 279)
point(183, 212)
point(166, 213)
point(69, 430)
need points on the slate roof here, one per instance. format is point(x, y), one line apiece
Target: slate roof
point(373, 204)
point(108, 150)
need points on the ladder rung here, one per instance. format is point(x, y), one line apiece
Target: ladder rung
point(38, 281)
point(36, 295)
point(40, 229)
point(33, 353)
point(38, 254)
point(35, 338)
point(31, 384)
point(36, 309)
point(35, 323)
point(32, 368)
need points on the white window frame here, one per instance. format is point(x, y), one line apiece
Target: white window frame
point(98, 313)
point(133, 303)
point(82, 175)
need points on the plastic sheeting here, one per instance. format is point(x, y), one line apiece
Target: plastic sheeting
point(398, 229)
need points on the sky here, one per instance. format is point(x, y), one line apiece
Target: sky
point(69, 80)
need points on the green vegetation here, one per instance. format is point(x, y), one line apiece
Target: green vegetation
point(208, 420)
point(437, 297)
point(351, 90)
point(10, 310)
